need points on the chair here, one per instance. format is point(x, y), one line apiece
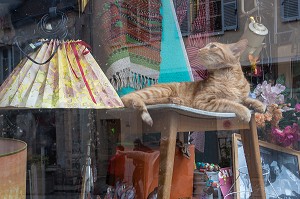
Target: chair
point(170, 119)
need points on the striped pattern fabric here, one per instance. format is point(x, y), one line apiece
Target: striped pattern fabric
point(199, 71)
point(195, 42)
point(133, 39)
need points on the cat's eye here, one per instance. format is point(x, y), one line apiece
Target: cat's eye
point(212, 46)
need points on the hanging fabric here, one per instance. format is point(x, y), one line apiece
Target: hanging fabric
point(132, 38)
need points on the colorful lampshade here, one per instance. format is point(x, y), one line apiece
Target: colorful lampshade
point(71, 79)
point(13, 156)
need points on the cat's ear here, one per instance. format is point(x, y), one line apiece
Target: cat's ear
point(238, 48)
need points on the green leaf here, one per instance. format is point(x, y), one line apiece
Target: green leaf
point(292, 101)
point(281, 80)
point(286, 92)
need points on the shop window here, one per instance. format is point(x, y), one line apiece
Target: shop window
point(206, 16)
point(289, 10)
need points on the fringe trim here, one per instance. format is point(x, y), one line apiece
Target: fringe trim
point(126, 77)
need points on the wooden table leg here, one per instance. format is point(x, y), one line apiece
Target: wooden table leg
point(252, 155)
point(167, 153)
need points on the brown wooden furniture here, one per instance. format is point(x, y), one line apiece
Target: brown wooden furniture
point(170, 119)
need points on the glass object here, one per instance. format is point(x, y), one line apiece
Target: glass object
point(245, 195)
point(245, 185)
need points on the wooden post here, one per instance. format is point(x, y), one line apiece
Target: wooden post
point(252, 155)
point(167, 153)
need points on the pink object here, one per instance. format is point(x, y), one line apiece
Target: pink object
point(286, 136)
point(297, 107)
point(225, 180)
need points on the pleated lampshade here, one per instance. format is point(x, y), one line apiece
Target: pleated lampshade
point(71, 79)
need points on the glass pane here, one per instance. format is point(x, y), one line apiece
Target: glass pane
point(149, 99)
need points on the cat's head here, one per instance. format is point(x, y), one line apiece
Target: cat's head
point(216, 55)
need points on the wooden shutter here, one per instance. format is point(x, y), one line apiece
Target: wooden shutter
point(289, 10)
point(230, 15)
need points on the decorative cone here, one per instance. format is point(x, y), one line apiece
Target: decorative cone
point(71, 79)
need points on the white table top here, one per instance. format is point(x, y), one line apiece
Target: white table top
point(184, 110)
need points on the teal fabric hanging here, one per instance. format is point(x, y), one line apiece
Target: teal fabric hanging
point(174, 66)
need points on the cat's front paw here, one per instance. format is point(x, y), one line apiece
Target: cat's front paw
point(180, 101)
point(176, 100)
point(261, 109)
point(255, 104)
point(147, 118)
point(245, 116)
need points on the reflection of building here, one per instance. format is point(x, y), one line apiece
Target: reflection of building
point(280, 53)
point(212, 17)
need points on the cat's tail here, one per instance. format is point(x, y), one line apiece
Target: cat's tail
point(132, 100)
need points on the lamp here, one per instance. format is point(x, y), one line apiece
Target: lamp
point(59, 75)
point(13, 156)
point(255, 34)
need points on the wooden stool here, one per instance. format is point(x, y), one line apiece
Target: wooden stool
point(170, 119)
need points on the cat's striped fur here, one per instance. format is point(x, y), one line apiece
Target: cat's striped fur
point(225, 90)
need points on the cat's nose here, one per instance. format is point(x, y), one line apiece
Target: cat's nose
point(202, 51)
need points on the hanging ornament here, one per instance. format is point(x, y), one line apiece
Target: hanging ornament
point(253, 61)
point(255, 33)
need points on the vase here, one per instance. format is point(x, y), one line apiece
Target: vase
point(13, 156)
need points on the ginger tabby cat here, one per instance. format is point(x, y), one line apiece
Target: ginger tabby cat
point(225, 90)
